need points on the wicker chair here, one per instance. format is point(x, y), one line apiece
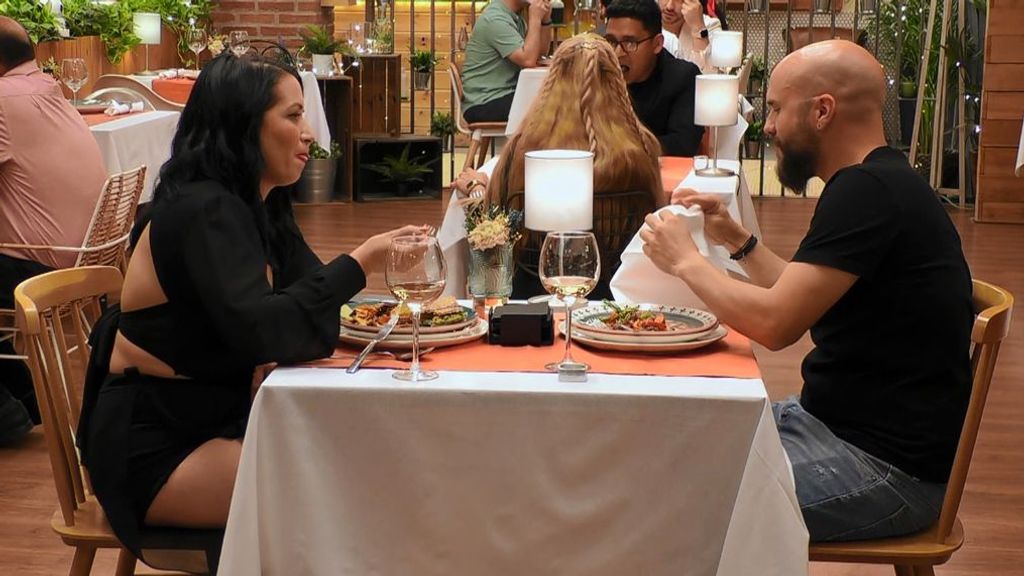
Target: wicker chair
point(617, 217)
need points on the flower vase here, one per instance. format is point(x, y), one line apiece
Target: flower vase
point(490, 273)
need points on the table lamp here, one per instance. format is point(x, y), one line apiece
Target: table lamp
point(559, 190)
point(147, 28)
point(726, 49)
point(716, 98)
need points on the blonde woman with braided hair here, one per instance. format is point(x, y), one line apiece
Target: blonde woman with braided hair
point(584, 105)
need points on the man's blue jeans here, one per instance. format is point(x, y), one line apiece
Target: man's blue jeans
point(846, 493)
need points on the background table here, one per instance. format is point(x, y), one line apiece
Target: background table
point(127, 142)
point(512, 474)
point(527, 88)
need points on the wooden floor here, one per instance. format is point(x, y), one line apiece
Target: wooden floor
point(993, 504)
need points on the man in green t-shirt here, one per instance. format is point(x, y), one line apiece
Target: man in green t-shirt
point(502, 44)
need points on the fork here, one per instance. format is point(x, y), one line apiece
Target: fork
point(403, 357)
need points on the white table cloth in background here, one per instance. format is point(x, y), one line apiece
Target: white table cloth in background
point(510, 474)
point(137, 139)
point(311, 100)
point(527, 88)
point(1020, 153)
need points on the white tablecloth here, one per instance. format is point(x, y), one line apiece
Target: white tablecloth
point(527, 88)
point(137, 139)
point(512, 474)
point(311, 100)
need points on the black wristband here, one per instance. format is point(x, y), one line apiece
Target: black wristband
point(747, 248)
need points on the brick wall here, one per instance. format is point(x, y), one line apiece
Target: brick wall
point(272, 20)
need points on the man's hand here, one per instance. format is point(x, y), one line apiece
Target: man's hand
point(539, 11)
point(719, 227)
point(693, 15)
point(667, 242)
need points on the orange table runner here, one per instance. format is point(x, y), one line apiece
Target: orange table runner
point(673, 170)
point(731, 357)
point(101, 118)
point(174, 89)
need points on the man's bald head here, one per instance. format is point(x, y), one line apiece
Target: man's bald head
point(838, 67)
point(15, 45)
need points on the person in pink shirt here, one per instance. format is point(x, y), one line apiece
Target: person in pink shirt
point(51, 174)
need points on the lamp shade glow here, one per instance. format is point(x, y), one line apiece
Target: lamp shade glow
point(726, 49)
point(559, 190)
point(716, 100)
point(147, 27)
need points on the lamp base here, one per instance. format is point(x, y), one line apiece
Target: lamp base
point(714, 171)
point(147, 72)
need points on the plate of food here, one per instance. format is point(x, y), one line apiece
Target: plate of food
point(360, 338)
point(639, 323)
point(440, 316)
point(590, 341)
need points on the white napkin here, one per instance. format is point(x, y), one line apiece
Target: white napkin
point(178, 73)
point(638, 280)
point(115, 108)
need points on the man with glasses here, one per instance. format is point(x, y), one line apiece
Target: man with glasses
point(661, 87)
point(501, 45)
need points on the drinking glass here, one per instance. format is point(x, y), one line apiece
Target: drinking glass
point(415, 274)
point(569, 267)
point(197, 42)
point(74, 74)
point(239, 40)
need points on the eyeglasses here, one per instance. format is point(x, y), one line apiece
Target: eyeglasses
point(628, 46)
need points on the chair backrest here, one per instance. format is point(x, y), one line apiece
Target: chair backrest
point(157, 101)
point(456, 80)
point(617, 217)
point(106, 239)
point(993, 307)
point(55, 313)
point(744, 73)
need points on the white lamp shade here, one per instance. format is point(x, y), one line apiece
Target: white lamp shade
point(716, 100)
point(559, 190)
point(726, 49)
point(147, 27)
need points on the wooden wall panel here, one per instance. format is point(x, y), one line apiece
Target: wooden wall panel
point(1000, 194)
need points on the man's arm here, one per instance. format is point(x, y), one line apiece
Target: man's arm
point(538, 36)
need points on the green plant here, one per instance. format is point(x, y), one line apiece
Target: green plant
point(422, 61)
point(755, 131)
point(50, 67)
point(402, 169)
point(757, 69)
point(441, 124)
point(317, 152)
point(39, 21)
point(383, 36)
point(316, 40)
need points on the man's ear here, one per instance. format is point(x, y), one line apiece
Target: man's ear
point(823, 109)
point(658, 41)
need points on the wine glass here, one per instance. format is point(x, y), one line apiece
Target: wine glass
point(415, 274)
point(74, 74)
point(197, 42)
point(569, 267)
point(239, 42)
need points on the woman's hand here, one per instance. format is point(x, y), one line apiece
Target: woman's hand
point(471, 184)
point(719, 227)
point(371, 254)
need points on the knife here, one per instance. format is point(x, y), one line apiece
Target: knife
point(383, 333)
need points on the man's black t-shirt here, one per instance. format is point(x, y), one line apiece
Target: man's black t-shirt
point(890, 371)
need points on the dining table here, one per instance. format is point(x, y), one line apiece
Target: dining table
point(655, 465)
point(128, 141)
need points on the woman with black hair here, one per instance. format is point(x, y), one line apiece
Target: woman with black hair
point(221, 285)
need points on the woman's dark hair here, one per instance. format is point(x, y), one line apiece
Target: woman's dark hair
point(218, 138)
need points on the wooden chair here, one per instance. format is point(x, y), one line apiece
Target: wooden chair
point(481, 133)
point(617, 217)
point(917, 554)
point(55, 313)
point(105, 242)
point(155, 101)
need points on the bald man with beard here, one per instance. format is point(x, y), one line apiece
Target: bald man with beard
point(880, 281)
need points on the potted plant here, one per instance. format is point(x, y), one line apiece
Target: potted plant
point(317, 182)
point(422, 62)
point(757, 74)
point(403, 171)
point(321, 46)
point(442, 126)
point(752, 139)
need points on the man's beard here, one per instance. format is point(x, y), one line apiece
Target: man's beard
point(799, 164)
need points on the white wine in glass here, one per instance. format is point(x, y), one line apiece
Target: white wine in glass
point(415, 274)
point(74, 74)
point(569, 267)
point(197, 41)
